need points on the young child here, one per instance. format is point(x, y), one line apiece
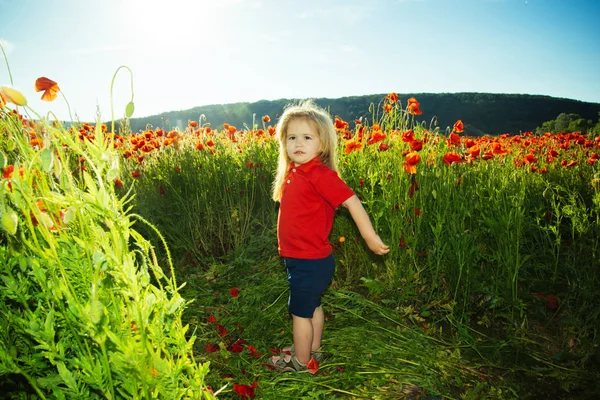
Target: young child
point(309, 190)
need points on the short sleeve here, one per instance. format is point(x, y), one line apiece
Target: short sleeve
point(331, 187)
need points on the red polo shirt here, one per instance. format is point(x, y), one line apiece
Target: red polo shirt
point(311, 193)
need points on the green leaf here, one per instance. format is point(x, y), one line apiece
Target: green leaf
point(69, 215)
point(11, 145)
point(129, 109)
point(10, 222)
point(100, 261)
point(112, 174)
point(3, 160)
point(47, 220)
point(175, 304)
point(91, 185)
point(67, 376)
point(47, 157)
point(96, 311)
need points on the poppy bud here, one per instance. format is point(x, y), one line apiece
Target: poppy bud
point(9, 94)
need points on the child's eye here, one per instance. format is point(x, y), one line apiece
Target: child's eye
point(307, 137)
point(291, 137)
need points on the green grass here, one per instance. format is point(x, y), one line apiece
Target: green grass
point(379, 348)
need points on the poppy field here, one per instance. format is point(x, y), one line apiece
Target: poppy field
point(145, 265)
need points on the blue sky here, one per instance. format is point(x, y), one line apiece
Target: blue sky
point(187, 53)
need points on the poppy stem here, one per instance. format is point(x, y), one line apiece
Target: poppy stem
point(7, 65)
point(112, 112)
point(68, 106)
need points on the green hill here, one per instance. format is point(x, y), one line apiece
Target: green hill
point(482, 113)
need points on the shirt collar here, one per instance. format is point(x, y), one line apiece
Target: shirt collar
point(306, 166)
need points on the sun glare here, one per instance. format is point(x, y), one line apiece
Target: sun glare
point(171, 23)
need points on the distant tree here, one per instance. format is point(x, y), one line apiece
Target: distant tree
point(567, 123)
point(547, 126)
point(561, 124)
point(596, 128)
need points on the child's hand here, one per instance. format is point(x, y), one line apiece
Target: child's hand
point(377, 246)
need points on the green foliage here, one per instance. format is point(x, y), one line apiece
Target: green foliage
point(87, 310)
point(570, 123)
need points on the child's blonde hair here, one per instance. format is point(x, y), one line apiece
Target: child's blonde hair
point(323, 124)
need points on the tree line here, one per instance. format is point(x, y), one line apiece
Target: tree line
point(481, 113)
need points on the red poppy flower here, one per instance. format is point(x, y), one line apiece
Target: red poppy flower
point(530, 158)
point(408, 136)
point(413, 107)
point(313, 366)
point(416, 145)
point(412, 159)
point(474, 151)
point(387, 108)
point(384, 147)
point(352, 145)
point(253, 352)
point(459, 127)
point(48, 86)
point(8, 171)
point(392, 97)
point(136, 174)
point(211, 319)
point(234, 292)
point(340, 124)
point(236, 347)
point(118, 183)
point(377, 136)
point(571, 164)
point(454, 139)
point(451, 157)
point(488, 155)
point(245, 391)
point(222, 330)
point(498, 149)
point(211, 348)
point(266, 119)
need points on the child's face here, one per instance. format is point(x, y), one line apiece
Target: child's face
point(302, 141)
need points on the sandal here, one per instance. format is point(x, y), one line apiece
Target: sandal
point(318, 354)
point(290, 363)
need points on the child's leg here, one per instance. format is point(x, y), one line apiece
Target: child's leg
point(318, 320)
point(303, 337)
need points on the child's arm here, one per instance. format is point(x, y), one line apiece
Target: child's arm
point(362, 221)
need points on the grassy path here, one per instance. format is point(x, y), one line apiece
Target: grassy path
point(379, 350)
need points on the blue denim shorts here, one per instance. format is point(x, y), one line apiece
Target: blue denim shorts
point(308, 280)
